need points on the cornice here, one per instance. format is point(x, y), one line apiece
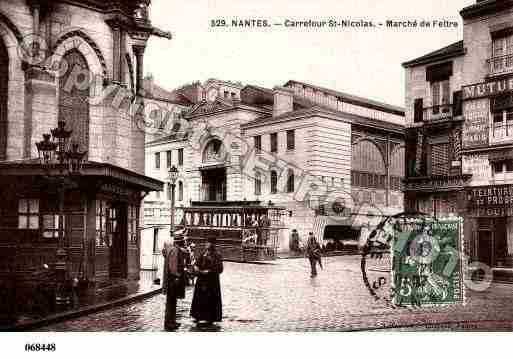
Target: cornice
point(485, 8)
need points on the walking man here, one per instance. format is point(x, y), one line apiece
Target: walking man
point(176, 260)
point(313, 251)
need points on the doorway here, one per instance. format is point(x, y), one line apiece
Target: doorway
point(214, 184)
point(485, 246)
point(118, 232)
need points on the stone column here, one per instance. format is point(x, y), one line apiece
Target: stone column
point(139, 56)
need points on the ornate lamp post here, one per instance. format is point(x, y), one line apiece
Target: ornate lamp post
point(173, 176)
point(56, 153)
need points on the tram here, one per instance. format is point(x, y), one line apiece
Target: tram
point(244, 230)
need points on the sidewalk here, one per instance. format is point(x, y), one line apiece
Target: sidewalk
point(117, 294)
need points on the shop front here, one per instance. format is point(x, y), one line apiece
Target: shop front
point(490, 222)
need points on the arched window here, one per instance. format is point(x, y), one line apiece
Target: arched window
point(290, 181)
point(214, 152)
point(4, 80)
point(73, 98)
point(258, 184)
point(368, 166)
point(180, 191)
point(274, 182)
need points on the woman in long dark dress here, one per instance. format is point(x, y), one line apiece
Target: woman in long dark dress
point(206, 301)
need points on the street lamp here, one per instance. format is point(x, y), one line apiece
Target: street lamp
point(48, 150)
point(173, 176)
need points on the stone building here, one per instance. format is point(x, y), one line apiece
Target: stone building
point(80, 62)
point(460, 160)
point(331, 162)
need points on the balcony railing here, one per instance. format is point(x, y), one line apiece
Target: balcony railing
point(500, 64)
point(501, 131)
point(437, 113)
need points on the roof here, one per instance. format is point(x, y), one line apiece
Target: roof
point(483, 7)
point(156, 92)
point(354, 119)
point(268, 94)
point(356, 100)
point(453, 50)
point(32, 167)
point(306, 106)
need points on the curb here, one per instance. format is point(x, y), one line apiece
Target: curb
point(250, 262)
point(60, 317)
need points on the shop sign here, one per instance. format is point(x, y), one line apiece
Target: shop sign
point(487, 89)
point(492, 212)
point(478, 166)
point(491, 196)
point(475, 127)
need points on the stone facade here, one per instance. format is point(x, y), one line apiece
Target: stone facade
point(115, 136)
point(81, 63)
point(313, 141)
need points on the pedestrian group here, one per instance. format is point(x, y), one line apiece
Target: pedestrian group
point(180, 264)
point(181, 267)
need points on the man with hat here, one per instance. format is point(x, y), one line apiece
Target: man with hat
point(176, 259)
point(313, 252)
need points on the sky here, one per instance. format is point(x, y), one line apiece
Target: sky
point(360, 61)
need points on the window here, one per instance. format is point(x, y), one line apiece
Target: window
point(157, 194)
point(503, 166)
point(51, 226)
point(502, 49)
point(440, 159)
point(180, 191)
point(225, 94)
point(101, 223)
point(440, 96)
point(157, 160)
point(274, 142)
point(180, 157)
point(257, 140)
point(132, 224)
point(258, 184)
point(168, 159)
point(28, 214)
point(418, 110)
point(155, 239)
point(290, 181)
point(274, 182)
point(502, 122)
point(291, 140)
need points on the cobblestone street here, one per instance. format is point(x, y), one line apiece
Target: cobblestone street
point(283, 297)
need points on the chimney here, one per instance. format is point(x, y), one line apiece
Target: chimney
point(283, 100)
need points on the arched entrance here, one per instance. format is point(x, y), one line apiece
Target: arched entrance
point(213, 172)
point(4, 80)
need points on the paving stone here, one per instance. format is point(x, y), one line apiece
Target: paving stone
point(283, 297)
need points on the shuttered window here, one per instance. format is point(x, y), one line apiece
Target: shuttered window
point(440, 159)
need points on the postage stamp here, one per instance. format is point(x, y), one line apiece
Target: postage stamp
point(427, 266)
